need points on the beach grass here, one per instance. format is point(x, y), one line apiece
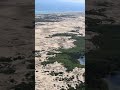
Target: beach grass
point(69, 57)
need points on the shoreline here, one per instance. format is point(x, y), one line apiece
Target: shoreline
point(62, 12)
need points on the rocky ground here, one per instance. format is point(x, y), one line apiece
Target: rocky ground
point(54, 76)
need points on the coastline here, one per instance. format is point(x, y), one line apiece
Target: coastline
point(53, 12)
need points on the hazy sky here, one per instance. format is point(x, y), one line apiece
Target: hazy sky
point(70, 1)
point(59, 5)
point(73, 1)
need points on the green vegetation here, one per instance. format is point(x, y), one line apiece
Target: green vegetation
point(69, 57)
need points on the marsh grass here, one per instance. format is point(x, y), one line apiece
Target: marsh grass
point(69, 57)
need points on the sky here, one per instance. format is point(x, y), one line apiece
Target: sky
point(48, 6)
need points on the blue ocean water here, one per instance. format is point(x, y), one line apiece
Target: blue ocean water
point(53, 6)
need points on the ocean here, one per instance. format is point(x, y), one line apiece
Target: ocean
point(50, 6)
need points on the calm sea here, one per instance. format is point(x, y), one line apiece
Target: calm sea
point(51, 6)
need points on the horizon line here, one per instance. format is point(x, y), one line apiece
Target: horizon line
point(46, 12)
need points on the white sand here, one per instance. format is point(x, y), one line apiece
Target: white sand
point(44, 43)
